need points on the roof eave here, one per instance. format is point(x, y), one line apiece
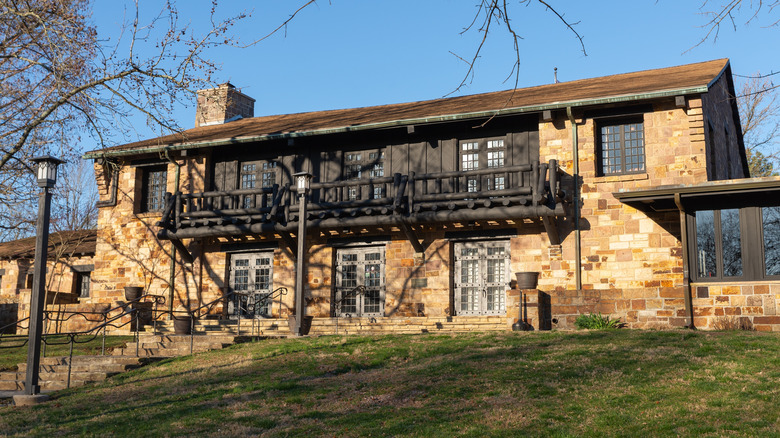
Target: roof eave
point(395, 123)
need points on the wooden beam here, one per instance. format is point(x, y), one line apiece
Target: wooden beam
point(409, 231)
point(291, 243)
point(184, 253)
point(551, 227)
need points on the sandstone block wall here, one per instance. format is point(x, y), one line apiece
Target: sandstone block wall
point(631, 262)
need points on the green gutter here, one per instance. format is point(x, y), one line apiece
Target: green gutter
point(669, 192)
point(397, 123)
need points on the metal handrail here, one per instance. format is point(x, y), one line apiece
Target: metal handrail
point(358, 290)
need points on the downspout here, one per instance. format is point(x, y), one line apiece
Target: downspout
point(172, 271)
point(113, 184)
point(686, 267)
point(576, 195)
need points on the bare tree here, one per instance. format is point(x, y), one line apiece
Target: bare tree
point(493, 14)
point(76, 199)
point(759, 111)
point(59, 80)
point(733, 13)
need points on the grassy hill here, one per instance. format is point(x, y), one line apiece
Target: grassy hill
point(619, 382)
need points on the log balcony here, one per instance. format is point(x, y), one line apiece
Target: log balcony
point(530, 191)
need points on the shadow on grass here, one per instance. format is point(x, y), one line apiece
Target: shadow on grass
point(472, 384)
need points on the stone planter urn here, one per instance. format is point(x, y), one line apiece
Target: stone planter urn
point(133, 292)
point(182, 321)
point(527, 280)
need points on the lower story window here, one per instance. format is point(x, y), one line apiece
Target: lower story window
point(481, 277)
point(770, 223)
point(251, 278)
point(732, 244)
point(360, 282)
point(82, 284)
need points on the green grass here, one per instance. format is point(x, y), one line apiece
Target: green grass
point(57, 346)
point(622, 382)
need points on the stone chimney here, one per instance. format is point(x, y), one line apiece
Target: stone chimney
point(222, 104)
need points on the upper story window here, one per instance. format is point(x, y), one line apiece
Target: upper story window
point(153, 186)
point(256, 174)
point(364, 165)
point(483, 154)
point(621, 147)
point(737, 244)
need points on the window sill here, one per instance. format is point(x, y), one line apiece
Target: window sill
point(621, 178)
point(149, 214)
point(735, 282)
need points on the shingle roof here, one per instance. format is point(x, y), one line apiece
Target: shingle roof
point(686, 78)
point(60, 243)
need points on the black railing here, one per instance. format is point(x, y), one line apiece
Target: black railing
point(527, 190)
point(128, 313)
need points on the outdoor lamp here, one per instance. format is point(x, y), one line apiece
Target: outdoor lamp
point(303, 182)
point(47, 170)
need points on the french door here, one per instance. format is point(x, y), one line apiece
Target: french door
point(251, 278)
point(360, 282)
point(481, 277)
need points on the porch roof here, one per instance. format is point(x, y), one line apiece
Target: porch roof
point(62, 243)
point(628, 87)
point(706, 196)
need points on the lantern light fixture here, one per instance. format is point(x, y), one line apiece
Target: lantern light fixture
point(46, 170)
point(303, 182)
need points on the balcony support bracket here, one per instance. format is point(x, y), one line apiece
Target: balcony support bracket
point(410, 234)
point(291, 243)
point(551, 226)
point(184, 253)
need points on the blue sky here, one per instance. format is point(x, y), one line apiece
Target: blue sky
point(354, 53)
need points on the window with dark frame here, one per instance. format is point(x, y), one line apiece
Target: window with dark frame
point(257, 174)
point(487, 153)
point(153, 187)
point(364, 165)
point(621, 147)
point(82, 283)
point(731, 244)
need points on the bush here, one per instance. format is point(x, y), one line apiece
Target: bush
point(725, 323)
point(597, 322)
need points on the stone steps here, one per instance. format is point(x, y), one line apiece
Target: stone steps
point(84, 370)
point(326, 326)
point(170, 345)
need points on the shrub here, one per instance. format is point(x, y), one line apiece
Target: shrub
point(597, 322)
point(732, 323)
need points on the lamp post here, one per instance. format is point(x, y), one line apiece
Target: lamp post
point(46, 169)
point(302, 183)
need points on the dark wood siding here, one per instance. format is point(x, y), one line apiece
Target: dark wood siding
point(426, 149)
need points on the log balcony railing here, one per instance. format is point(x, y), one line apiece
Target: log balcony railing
point(529, 191)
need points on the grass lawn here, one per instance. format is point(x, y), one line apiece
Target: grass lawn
point(57, 346)
point(619, 382)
